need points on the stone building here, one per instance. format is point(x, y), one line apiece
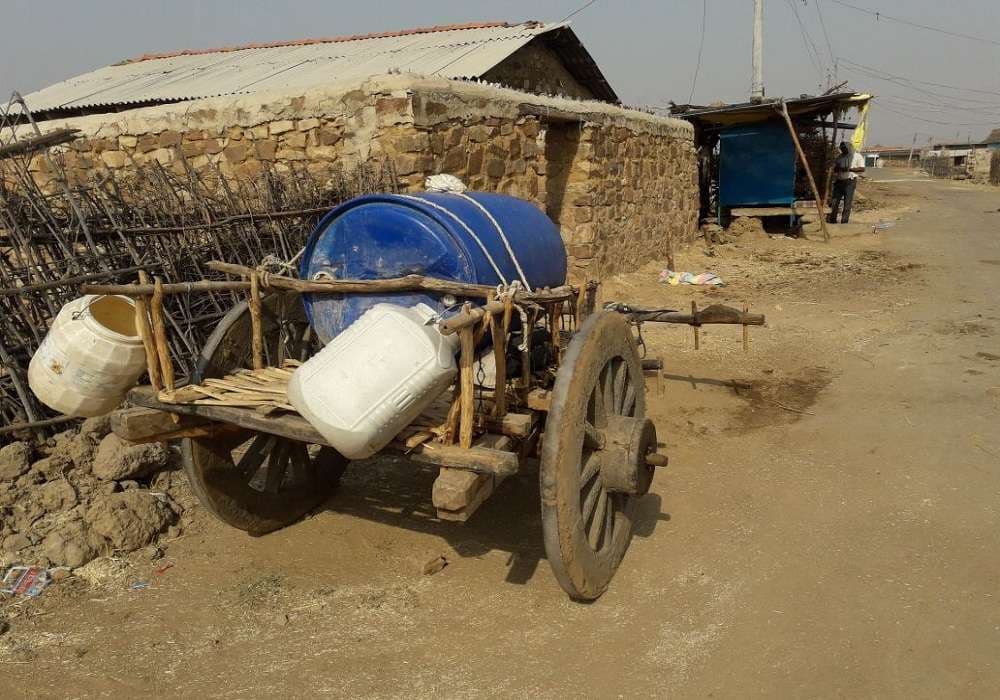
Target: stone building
point(622, 184)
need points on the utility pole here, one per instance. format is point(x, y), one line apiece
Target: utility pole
point(909, 161)
point(757, 86)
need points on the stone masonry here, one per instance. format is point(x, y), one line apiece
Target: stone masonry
point(622, 184)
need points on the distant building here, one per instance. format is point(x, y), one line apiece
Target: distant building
point(957, 159)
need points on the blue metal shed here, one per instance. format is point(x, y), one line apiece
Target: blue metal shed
point(756, 166)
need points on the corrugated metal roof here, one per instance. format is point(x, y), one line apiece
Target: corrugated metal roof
point(462, 51)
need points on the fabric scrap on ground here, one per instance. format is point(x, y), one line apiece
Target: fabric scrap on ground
point(706, 279)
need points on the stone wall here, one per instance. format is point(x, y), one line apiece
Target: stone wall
point(621, 184)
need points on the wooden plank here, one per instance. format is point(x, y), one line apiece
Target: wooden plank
point(160, 336)
point(491, 454)
point(468, 494)
point(809, 176)
point(287, 425)
point(467, 408)
point(518, 425)
point(142, 424)
point(539, 399)
point(145, 331)
point(256, 323)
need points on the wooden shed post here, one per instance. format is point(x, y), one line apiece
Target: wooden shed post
point(809, 175)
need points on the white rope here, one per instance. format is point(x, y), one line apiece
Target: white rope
point(503, 237)
point(496, 268)
point(505, 292)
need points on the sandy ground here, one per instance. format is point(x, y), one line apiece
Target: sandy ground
point(828, 526)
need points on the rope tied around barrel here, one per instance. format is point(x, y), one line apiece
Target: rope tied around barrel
point(509, 291)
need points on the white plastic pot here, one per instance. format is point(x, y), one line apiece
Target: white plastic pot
point(90, 358)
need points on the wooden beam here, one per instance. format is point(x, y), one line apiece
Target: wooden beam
point(539, 399)
point(820, 201)
point(288, 425)
point(517, 425)
point(141, 424)
point(458, 493)
point(160, 336)
point(145, 331)
point(256, 324)
point(467, 413)
point(491, 454)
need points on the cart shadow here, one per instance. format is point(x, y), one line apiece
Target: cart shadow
point(396, 492)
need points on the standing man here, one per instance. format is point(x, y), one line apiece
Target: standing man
point(846, 170)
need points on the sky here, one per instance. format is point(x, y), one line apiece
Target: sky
point(648, 49)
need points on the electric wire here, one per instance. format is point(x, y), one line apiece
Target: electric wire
point(578, 10)
point(701, 46)
point(881, 15)
point(826, 34)
point(807, 41)
point(880, 106)
point(894, 76)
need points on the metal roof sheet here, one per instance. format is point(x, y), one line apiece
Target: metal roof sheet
point(460, 52)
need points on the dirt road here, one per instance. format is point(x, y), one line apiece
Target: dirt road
point(831, 530)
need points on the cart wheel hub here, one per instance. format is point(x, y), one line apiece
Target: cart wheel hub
point(628, 455)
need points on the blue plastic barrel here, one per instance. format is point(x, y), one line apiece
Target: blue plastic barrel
point(386, 235)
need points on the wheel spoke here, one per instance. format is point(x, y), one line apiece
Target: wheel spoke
point(595, 408)
point(277, 465)
point(597, 525)
point(628, 401)
point(593, 438)
point(254, 456)
point(609, 526)
point(301, 464)
point(591, 465)
point(608, 388)
point(590, 501)
point(621, 379)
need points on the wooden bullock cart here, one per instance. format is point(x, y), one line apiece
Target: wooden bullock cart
point(576, 399)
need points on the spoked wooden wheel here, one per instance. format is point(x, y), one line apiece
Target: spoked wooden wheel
point(255, 481)
point(596, 456)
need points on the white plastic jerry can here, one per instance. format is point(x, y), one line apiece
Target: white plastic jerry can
point(375, 378)
point(90, 357)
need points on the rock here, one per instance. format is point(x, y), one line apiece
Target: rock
point(80, 451)
point(98, 427)
point(57, 496)
point(15, 460)
point(15, 543)
point(72, 543)
point(29, 479)
point(52, 467)
point(118, 459)
point(129, 520)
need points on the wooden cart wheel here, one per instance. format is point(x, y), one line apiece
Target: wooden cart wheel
point(254, 481)
point(595, 462)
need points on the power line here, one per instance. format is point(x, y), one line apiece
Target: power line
point(701, 46)
point(930, 121)
point(881, 15)
point(807, 41)
point(826, 34)
point(578, 10)
point(920, 82)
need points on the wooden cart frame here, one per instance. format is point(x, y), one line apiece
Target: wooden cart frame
point(577, 401)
